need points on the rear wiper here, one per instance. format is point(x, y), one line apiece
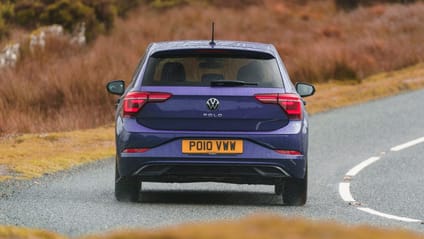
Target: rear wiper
point(231, 83)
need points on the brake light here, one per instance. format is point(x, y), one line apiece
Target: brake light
point(291, 103)
point(288, 152)
point(135, 150)
point(134, 101)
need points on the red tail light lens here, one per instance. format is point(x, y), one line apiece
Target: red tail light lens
point(291, 103)
point(136, 150)
point(288, 152)
point(134, 101)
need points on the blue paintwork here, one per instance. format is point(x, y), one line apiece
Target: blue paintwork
point(236, 113)
point(162, 132)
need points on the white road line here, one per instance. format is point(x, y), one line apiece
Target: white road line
point(377, 213)
point(408, 144)
point(344, 187)
point(344, 190)
point(355, 170)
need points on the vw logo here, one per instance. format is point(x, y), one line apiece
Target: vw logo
point(212, 103)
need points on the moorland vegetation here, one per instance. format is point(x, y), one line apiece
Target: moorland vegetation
point(61, 87)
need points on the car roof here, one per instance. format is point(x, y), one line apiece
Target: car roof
point(202, 44)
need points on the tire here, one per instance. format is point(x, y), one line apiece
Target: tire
point(127, 189)
point(295, 192)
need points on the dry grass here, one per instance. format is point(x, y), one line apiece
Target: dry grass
point(260, 226)
point(337, 94)
point(9, 232)
point(57, 90)
point(64, 89)
point(265, 227)
point(33, 155)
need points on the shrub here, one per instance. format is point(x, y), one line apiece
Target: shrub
point(6, 14)
point(27, 12)
point(348, 5)
point(218, 3)
point(3, 28)
point(98, 15)
point(167, 3)
point(235, 3)
point(342, 71)
point(105, 12)
point(69, 14)
point(123, 6)
point(7, 11)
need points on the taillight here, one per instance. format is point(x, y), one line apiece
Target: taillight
point(134, 101)
point(291, 103)
point(288, 152)
point(135, 150)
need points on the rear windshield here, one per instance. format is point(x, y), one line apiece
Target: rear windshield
point(201, 67)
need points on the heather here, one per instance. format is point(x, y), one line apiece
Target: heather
point(63, 86)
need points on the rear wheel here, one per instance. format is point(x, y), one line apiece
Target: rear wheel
point(295, 192)
point(127, 189)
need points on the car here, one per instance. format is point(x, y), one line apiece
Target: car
point(211, 111)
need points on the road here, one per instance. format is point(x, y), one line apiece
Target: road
point(81, 201)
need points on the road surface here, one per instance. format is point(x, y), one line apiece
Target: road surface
point(81, 201)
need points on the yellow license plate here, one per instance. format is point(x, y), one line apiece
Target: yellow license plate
point(212, 146)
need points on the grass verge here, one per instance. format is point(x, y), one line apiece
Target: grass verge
point(336, 94)
point(260, 226)
point(34, 155)
point(9, 232)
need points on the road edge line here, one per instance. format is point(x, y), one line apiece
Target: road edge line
point(344, 187)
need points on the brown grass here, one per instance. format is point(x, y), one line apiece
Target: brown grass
point(33, 155)
point(265, 227)
point(9, 232)
point(336, 94)
point(259, 226)
point(64, 90)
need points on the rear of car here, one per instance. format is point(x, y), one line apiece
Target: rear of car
point(196, 112)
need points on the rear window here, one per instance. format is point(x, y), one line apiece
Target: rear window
point(201, 67)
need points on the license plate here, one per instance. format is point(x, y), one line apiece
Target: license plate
point(212, 146)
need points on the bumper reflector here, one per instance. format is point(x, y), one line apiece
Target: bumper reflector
point(136, 150)
point(288, 152)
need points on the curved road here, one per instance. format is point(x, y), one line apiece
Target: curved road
point(81, 201)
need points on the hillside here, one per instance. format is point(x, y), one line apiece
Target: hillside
point(62, 87)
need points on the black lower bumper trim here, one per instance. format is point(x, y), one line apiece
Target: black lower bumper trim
point(243, 174)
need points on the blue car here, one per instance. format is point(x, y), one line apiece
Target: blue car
point(200, 111)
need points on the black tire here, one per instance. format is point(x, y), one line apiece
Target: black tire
point(127, 189)
point(295, 192)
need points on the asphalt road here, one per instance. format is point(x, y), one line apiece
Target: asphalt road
point(81, 201)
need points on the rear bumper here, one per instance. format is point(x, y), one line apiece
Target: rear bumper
point(213, 170)
point(258, 164)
